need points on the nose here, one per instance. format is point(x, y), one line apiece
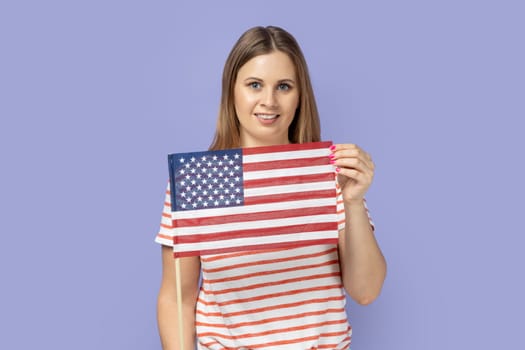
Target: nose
point(269, 99)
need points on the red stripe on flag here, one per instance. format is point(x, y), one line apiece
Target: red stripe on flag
point(254, 247)
point(286, 197)
point(259, 232)
point(286, 164)
point(269, 215)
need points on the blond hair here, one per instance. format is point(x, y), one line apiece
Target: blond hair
point(259, 41)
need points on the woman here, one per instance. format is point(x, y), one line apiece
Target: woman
point(281, 298)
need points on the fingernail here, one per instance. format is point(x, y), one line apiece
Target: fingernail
point(332, 147)
point(337, 169)
point(332, 161)
point(331, 156)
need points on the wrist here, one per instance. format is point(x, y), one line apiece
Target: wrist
point(354, 202)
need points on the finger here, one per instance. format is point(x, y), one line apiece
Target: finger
point(355, 164)
point(353, 174)
point(350, 157)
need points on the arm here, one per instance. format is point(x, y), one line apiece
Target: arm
point(167, 308)
point(363, 267)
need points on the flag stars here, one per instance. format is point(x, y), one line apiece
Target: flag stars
point(210, 180)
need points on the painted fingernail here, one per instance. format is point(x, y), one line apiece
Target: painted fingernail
point(332, 161)
point(332, 147)
point(331, 156)
point(337, 169)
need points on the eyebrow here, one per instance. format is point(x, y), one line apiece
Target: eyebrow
point(286, 80)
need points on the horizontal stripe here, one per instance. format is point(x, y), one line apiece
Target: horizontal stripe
point(263, 262)
point(289, 197)
point(269, 284)
point(285, 164)
point(307, 148)
point(265, 227)
point(226, 249)
point(318, 169)
point(278, 214)
point(316, 186)
point(272, 319)
point(261, 236)
point(273, 331)
point(274, 271)
point(272, 307)
point(321, 200)
point(287, 180)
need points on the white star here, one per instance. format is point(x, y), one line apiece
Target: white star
point(236, 156)
point(192, 159)
point(181, 160)
point(183, 206)
point(181, 171)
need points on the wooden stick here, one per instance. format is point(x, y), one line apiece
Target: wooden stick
point(179, 302)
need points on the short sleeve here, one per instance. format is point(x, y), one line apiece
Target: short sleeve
point(341, 210)
point(166, 230)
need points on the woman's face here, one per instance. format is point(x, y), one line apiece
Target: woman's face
point(266, 96)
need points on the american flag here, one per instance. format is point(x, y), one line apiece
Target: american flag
point(252, 198)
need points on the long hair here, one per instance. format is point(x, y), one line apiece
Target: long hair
point(256, 41)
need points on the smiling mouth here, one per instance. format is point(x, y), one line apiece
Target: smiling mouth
point(266, 116)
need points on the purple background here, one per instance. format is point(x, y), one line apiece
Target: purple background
point(95, 94)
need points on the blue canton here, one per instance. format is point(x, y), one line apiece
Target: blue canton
point(203, 180)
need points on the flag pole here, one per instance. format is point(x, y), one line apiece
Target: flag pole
point(179, 302)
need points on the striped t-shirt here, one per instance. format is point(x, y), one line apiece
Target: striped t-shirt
point(269, 299)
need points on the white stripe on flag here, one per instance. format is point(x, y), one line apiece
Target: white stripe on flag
point(246, 241)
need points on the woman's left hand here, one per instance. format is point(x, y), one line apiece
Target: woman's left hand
point(355, 170)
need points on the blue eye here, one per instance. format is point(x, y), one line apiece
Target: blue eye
point(255, 85)
point(284, 87)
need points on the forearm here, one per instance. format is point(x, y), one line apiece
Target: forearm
point(363, 266)
point(168, 322)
